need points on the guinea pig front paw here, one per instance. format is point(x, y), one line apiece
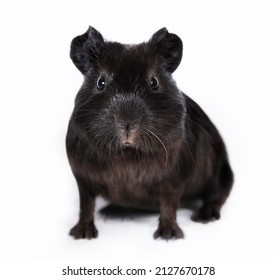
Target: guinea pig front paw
point(84, 230)
point(168, 231)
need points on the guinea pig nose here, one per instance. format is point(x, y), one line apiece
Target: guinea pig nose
point(123, 124)
point(126, 126)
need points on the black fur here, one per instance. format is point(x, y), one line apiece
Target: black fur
point(137, 144)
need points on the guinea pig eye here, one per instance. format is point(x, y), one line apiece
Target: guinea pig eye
point(154, 84)
point(101, 83)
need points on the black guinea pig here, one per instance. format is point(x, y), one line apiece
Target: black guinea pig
point(135, 139)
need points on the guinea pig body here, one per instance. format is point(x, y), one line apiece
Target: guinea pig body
point(137, 140)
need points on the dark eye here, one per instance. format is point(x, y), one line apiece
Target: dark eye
point(154, 84)
point(101, 83)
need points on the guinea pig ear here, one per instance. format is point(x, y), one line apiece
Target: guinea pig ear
point(169, 47)
point(86, 48)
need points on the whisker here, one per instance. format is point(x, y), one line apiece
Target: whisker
point(191, 154)
point(203, 129)
point(163, 145)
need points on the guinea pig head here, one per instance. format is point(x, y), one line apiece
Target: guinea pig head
point(128, 98)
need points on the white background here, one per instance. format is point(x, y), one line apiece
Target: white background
point(228, 67)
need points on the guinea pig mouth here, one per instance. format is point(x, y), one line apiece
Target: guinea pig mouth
point(127, 134)
point(128, 140)
point(127, 144)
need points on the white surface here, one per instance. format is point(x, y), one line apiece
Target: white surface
point(228, 67)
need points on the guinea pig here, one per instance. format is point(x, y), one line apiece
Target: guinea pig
point(139, 142)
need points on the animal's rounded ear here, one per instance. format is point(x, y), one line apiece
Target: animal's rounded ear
point(86, 48)
point(169, 47)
